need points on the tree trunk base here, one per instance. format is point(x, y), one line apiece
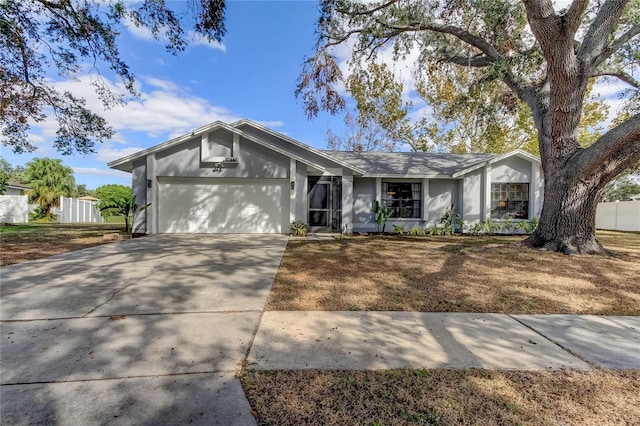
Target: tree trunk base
point(575, 244)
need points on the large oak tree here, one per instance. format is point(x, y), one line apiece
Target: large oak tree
point(545, 58)
point(42, 38)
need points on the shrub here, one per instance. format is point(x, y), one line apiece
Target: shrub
point(436, 230)
point(398, 229)
point(299, 229)
point(416, 231)
point(532, 225)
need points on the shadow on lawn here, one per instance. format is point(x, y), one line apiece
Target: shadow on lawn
point(459, 274)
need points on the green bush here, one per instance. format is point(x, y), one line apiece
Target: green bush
point(416, 231)
point(398, 229)
point(299, 229)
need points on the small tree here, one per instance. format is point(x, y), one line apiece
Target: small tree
point(4, 181)
point(128, 208)
point(383, 213)
point(112, 194)
point(49, 179)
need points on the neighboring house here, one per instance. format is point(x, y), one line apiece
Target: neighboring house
point(246, 178)
point(15, 188)
point(634, 197)
point(89, 198)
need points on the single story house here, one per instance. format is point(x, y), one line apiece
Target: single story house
point(15, 188)
point(245, 178)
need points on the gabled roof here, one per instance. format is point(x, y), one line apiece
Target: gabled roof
point(292, 141)
point(126, 163)
point(17, 185)
point(498, 157)
point(411, 164)
point(369, 164)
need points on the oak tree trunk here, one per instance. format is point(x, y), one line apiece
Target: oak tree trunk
point(567, 221)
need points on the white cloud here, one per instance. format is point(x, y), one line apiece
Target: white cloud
point(101, 172)
point(193, 38)
point(139, 32)
point(271, 124)
point(107, 155)
point(168, 110)
point(199, 40)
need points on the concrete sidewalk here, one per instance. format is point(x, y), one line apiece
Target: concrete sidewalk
point(379, 340)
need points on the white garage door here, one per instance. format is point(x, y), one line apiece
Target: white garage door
point(223, 206)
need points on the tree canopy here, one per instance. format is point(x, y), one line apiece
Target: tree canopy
point(67, 37)
point(543, 58)
point(112, 195)
point(49, 179)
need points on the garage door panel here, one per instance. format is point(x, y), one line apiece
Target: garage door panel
point(208, 206)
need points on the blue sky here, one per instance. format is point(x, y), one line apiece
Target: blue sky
point(252, 75)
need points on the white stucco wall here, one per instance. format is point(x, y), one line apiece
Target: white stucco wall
point(619, 216)
point(14, 209)
point(302, 184)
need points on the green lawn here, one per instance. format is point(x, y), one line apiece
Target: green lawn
point(114, 219)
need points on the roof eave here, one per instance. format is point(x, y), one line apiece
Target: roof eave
point(126, 163)
point(499, 157)
point(168, 144)
point(407, 176)
point(298, 144)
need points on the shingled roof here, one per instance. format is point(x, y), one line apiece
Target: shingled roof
point(406, 164)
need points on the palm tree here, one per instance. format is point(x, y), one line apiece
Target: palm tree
point(49, 179)
point(126, 207)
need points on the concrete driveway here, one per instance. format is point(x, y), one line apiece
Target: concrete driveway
point(147, 331)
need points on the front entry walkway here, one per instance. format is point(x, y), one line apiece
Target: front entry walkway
point(147, 331)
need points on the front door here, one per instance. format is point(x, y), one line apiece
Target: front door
point(325, 201)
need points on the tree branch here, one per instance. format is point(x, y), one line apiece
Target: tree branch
point(543, 21)
point(620, 145)
point(475, 41)
point(595, 41)
point(573, 16)
point(620, 75)
point(476, 61)
point(617, 44)
point(366, 12)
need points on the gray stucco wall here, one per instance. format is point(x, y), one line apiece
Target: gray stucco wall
point(472, 197)
point(255, 161)
point(139, 189)
point(512, 169)
point(442, 193)
point(364, 194)
point(297, 150)
point(301, 192)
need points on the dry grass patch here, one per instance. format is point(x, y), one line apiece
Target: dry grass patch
point(457, 274)
point(20, 243)
point(444, 397)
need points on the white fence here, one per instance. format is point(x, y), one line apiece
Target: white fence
point(76, 211)
point(14, 209)
point(619, 216)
